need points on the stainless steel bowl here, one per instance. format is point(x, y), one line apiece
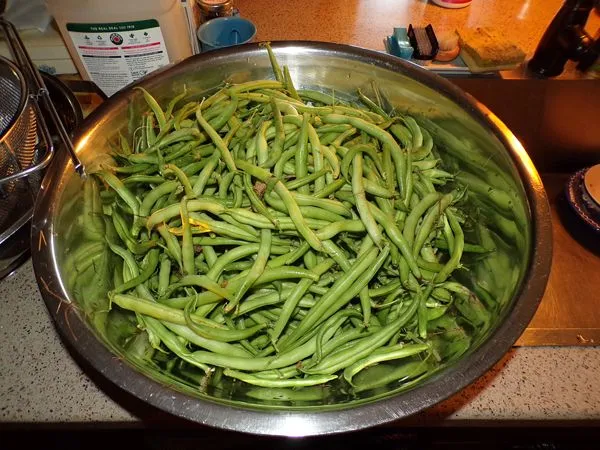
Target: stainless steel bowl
point(321, 65)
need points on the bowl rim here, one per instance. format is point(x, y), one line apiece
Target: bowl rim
point(306, 423)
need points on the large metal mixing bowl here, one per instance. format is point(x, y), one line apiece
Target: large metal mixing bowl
point(312, 65)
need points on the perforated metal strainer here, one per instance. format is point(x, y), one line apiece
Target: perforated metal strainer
point(26, 147)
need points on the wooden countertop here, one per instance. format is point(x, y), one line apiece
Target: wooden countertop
point(365, 23)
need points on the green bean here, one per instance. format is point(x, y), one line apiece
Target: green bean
point(397, 238)
point(376, 189)
point(254, 85)
point(413, 371)
point(224, 184)
point(207, 332)
point(364, 347)
point(289, 84)
point(262, 150)
point(364, 115)
point(386, 139)
point(448, 236)
point(294, 298)
point(220, 120)
point(322, 212)
point(172, 315)
point(182, 135)
point(413, 218)
point(156, 109)
point(164, 275)
point(295, 184)
point(276, 383)
point(317, 154)
point(361, 201)
point(187, 246)
point(341, 285)
point(301, 159)
point(173, 103)
point(121, 190)
point(93, 224)
point(124, 144)
point(185, 111)
point(384, 354)
point(327, 204)
point(274, 64)
point(150, 133)
point(430, 220)
point(257, 203)
point(256, 271)
point(209, 344)
point(290, 203)
point(330, 189)
point(149, 267)
point(372, 105)
point(369, 149)
point(210, 255)
point(408, 183)
point(144, 179)
point(457, 250)
point(360, 286)
point(319, 97)
point(172, 342)
point(500, 199)
point(165, 214)
point(137, 247)
point(221, 147)
point(257, 301)
point(172, 245)
point(284, 359)
point(345, 226)
point(205, 224)
point(205, 175)
point(181, 176)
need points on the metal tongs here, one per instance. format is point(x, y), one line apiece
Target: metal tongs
point(40, 92)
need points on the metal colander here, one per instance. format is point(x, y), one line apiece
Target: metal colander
point(24, 150)
point(18, 142)
point(17, 121)
point(26, 146)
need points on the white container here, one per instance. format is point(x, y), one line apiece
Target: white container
point(115, 42)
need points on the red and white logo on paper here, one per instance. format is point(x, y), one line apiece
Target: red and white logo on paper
point(116, 38)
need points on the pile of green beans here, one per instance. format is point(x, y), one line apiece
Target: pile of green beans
point(282, 238)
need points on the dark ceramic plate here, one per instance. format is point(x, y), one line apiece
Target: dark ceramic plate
point(581, 202)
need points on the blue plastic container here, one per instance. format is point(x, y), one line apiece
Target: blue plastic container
point(225, 32)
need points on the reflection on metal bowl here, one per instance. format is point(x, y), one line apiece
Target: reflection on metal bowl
point(335, 409)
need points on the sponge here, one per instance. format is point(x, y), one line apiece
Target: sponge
point(485, 49)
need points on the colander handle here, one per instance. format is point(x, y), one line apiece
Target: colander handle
point(43, 96)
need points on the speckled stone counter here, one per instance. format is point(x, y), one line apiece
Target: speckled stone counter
point(40, 381)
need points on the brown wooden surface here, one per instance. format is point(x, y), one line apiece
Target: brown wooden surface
point(569, 313)
point(557, 121)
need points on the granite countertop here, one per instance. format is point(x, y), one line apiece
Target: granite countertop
point(41, 383)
